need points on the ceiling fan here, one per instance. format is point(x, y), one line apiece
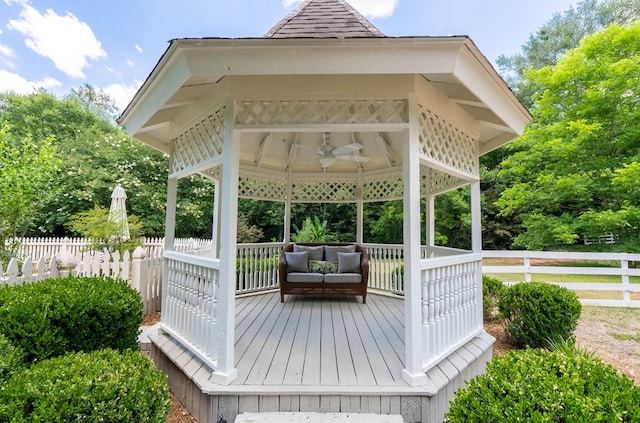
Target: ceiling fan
point(328, 154)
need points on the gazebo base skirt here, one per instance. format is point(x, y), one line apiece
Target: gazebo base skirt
point(190, 381)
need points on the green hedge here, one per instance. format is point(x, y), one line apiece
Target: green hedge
point(492, 290)
point(536, 385)
point(10, 359)
point(537, 313)
point(55, 316)
point(101, 386)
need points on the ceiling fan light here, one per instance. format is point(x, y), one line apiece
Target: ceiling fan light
point(325, 162)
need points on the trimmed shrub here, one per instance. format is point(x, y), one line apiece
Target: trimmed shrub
point(55, 316)
point(492, 290)
point(101, 386)
point(538, 385)
point(10, 359)
point(537, 313)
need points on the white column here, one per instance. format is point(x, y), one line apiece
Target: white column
point(429, 213)
point(359, 223)
point(215, 232)
point(413, 372)
point(170, 218)
point(476, 245)
point(225, 372)
point(287, 222)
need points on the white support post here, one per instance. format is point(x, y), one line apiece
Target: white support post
point(225, 372)
point(359, 211)
point(413, 372)
point(476, 243)
point(429, 214)
point(215, 233)
point(286, 238)
point(170, 219)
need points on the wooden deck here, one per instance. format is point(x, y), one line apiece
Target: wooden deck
point(317, 354)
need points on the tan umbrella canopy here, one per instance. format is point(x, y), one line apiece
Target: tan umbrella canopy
point(118, 212)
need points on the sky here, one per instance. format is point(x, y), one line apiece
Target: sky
point(113, 45)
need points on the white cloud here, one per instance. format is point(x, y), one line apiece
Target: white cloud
point(68, 42)
point(17, 84)
point(369, 8)
point(122, 94)
point(138, 48)
point(6, 51)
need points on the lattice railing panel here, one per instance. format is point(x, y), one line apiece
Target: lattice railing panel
point(201, 142)
point(262, 186)
point(324, 190)
point(441, 182)
point(321, 111)
point(383, 187)
point(443, 142)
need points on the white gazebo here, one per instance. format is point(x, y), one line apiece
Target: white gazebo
point(324, 108)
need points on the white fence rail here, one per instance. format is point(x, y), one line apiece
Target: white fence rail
point(527, 264)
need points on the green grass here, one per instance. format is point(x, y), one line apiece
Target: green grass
point(622, 323)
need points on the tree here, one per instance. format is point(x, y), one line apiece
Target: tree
point(575, 165)
point(27, 173)
point(104, 232)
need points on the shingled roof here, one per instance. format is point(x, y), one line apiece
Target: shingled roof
point(324, 19)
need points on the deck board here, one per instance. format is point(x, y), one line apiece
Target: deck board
point(312, 341)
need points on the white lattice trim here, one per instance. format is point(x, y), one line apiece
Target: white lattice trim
point(444, 143)
point(321, 111)
point(382, 187)
point(200, 143)
point(319, 189)
point(262, 186)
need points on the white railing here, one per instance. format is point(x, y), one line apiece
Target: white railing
point(386, 267)
point(190, 304)
point(451, 304)
point(257, 267)
point(530, 263)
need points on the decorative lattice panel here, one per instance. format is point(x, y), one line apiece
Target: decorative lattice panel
point(444, 143)
point(201, 142)
point(383, 187)
point(441, 182)
point(262, 186)
point(324, 190)
point(321, 111)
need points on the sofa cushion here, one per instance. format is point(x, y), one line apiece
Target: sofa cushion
point(305, 277)
point(297, 262)
point(316, 252)
point(343, 278)
point(331, 251)
point(349, 263)
point(319, 266)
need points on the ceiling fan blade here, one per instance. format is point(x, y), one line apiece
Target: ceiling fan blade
point(347, 149)
point(353, 157)
point(325, 162)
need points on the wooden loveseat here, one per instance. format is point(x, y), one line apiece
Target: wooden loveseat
point(329, 268)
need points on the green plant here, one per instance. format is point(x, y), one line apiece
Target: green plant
point(537, 385)
point(311, 231)
point(101, 386)
point(104, 232)
point(10, 359)
point(537, 313)
point(55, 316)
point(492, 290)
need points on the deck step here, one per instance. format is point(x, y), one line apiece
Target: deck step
point(317, 418)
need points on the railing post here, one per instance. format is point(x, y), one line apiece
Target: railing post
point(624, 265)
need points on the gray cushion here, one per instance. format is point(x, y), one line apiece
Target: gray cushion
point(349, 263)
point(305, 277)
point(343, 278)
point(331, 251)
point(319, 266)
point(297, 262)
point(316, 252)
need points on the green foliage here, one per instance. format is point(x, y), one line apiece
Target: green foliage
point(247, 232)
point(537, 313)
point(572, 172)
point(51, 317)
point(103, 231)
point(536, 385)
point(27, 169)
point(100, 386)
point(10, 359)
point(492, 290)
point(311, 231)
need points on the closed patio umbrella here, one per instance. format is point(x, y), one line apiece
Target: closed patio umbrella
point(118, 212)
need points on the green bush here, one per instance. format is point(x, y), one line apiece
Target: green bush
point(10, 359)
point(55, 316)
point(492, 290)
point(537, 385)
point(101, 386)
point(537, 313)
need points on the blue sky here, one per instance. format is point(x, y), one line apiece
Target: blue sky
point(113, 45)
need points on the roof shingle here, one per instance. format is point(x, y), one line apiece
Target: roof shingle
point(324, 19)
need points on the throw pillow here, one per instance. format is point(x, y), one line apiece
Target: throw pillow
point(318, 266)
point(349, 263)
point(297, 262)
point(316, 252)
point(331, 251)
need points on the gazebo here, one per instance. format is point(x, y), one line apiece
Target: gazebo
point(324, 108)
